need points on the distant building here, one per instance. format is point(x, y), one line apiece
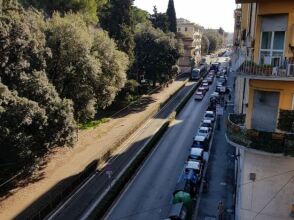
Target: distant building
point(191, 35)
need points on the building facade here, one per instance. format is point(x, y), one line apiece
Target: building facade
point(264, 94)
point(191, 35)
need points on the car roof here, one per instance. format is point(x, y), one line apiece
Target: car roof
point(209, 112)
point(195, 165)
point(203, 128)
point(199, 138)
point(198, 93)
point(207, 121)
point(196, 151)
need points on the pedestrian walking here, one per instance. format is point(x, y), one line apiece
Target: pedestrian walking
point(220, 210)
point(229, 96)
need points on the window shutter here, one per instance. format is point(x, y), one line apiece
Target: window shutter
point(274, 23)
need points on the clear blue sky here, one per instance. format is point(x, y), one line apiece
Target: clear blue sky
point(208, 13)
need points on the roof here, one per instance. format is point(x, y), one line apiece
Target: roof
point(176, 209)
point(207, 121)
point(199, 138)
point(209, 112)
point(196, 151)
point(204, 128)
point(194, 165)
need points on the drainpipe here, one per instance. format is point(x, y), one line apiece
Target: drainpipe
point(243, 95)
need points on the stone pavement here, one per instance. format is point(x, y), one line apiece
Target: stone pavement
point(271, 195)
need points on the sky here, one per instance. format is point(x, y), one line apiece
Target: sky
point(207, 13)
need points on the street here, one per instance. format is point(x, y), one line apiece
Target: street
point(149, 194)
point(80, 202)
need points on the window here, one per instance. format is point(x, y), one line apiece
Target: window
point(273, 29)
point(186, 29)
point(179, 29)
point(272, 47)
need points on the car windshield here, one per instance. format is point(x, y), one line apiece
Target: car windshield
point(203, 131)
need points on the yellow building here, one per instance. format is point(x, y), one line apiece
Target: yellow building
point(264, 88)
point(268, 70)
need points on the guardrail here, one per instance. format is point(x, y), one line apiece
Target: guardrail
point(270, 142)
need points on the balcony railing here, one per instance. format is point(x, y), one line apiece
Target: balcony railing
point(253, 69)
point(270, 142)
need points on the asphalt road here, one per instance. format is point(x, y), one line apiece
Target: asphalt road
point(149, 194)
point(77, 205)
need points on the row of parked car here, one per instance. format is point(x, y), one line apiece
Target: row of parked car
point(189, 184)
point(204, 87)
point(190, 181)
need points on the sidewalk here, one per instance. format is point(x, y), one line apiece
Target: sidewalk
point(92, 144)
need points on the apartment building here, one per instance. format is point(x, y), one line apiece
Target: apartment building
point(191, 35)
point(264, 104)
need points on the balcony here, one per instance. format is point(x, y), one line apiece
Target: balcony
point(258, 141)
point(268, 72)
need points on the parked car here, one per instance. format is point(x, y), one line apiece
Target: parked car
point(209, 79)
point(205, 85)
point(177, 211)
point(200, 142)
point(202, 89)
point(207, 123)
point(214, 94)
point(204, 131)
point(196, 154)
point(196, 166)
point(199, 95)
point(209, 115)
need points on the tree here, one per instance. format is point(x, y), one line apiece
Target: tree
point(116, 18)
point(22, 69)
point(172, 18)
point(114, 65)
point(22, 128)
point(159, 20)
point(139, 15)
point(86, 7)
point(156, 53)
point(204, 44)
point(33, 117)
point(86, 66)
point(215, 39)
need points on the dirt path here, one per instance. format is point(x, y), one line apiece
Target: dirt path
point(92, 144)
